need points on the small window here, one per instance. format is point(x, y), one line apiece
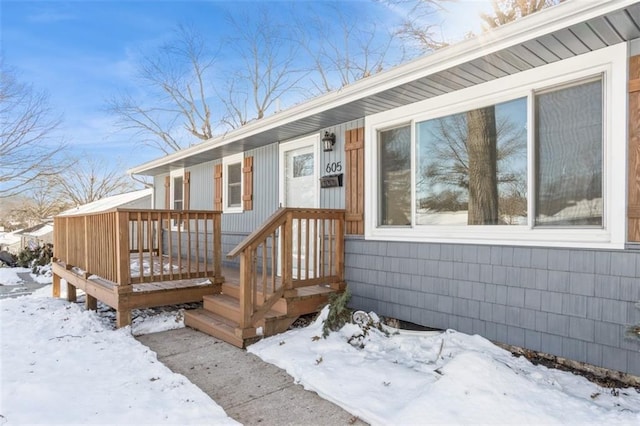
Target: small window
point(395, 176)
point(232, 183)
point(178, 184)
point(303, 165)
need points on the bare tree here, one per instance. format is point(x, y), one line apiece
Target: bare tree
point(343, 50)
point(505, 11)
point(92, 180)
point(177, 79)
point(482, 140)
point(478, 155)
point(27, 144)
point(43, 201)
point(483, 166)
point(266, 69)
point(419, 26)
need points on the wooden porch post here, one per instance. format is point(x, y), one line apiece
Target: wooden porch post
point(122, 249)
point(56, 285)
point(217, 248)
point(340, 247)
point(287, 252)
point(246, 308)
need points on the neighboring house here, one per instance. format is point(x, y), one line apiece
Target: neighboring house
point(489, 187)
point(140, 199)
point(37, 235)
point(10, 241)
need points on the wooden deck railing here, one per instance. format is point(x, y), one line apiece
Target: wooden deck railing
point(128, 246)
point(293, 248)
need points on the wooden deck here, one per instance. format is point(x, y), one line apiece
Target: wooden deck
point(132, 259)
point(135, 296)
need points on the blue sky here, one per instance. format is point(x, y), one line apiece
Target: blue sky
point(84, 52)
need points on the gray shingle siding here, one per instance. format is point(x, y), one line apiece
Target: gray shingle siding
point(574, 303)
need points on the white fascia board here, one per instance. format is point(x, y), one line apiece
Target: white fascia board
point(528, 28)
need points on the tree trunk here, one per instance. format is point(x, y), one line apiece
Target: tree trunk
point(483, 182)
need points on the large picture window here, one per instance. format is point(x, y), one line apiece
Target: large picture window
point(536, 158)
point(471, 167)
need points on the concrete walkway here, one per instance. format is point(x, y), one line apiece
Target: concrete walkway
point(251, 391)
point(27, 286)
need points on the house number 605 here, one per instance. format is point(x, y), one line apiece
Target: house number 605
point(333, 167)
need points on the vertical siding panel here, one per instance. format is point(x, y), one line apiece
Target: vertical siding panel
point(158, 186)
point(633, 184)
point(201, 197)
point(265, 192)
point(167, 192)
point(236, 226)
point(334, 198)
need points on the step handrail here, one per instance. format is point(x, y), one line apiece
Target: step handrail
point(319, 239)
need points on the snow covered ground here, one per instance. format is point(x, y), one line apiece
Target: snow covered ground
point(9, 276)
point(61, 365)
point(442, 378)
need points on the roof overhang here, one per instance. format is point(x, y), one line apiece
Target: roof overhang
point(569, 29)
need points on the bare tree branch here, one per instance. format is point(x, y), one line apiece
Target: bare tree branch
point(92, 180)
point(177, 80)
point(344, 50)
point(418, 26)
point(505, 11)
point(267, 69)
point(27, 149)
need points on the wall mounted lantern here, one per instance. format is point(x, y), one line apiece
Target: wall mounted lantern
point(328, 140)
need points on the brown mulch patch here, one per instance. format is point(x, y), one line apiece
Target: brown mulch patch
point(551, 362)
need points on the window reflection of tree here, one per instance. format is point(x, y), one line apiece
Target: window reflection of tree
point(475, 162)
point(303, 165)
point(395, 176)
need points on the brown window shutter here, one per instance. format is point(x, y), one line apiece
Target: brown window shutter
point(187, 193)
point(247, 184)
point(167, 192)
point(217, 187)
point(633, 210)
point(354, 186)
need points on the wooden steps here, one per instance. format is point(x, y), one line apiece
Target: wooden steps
point(220, 314)
point(214, 325)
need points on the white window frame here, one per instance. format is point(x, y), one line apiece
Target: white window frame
point(611, 62)
point(226, 162)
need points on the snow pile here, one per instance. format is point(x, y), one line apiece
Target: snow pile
point(147, 266)
point(449, 377)
point(9, 276)
point(64, 365)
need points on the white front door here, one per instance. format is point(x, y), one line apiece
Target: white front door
point(299, 188)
